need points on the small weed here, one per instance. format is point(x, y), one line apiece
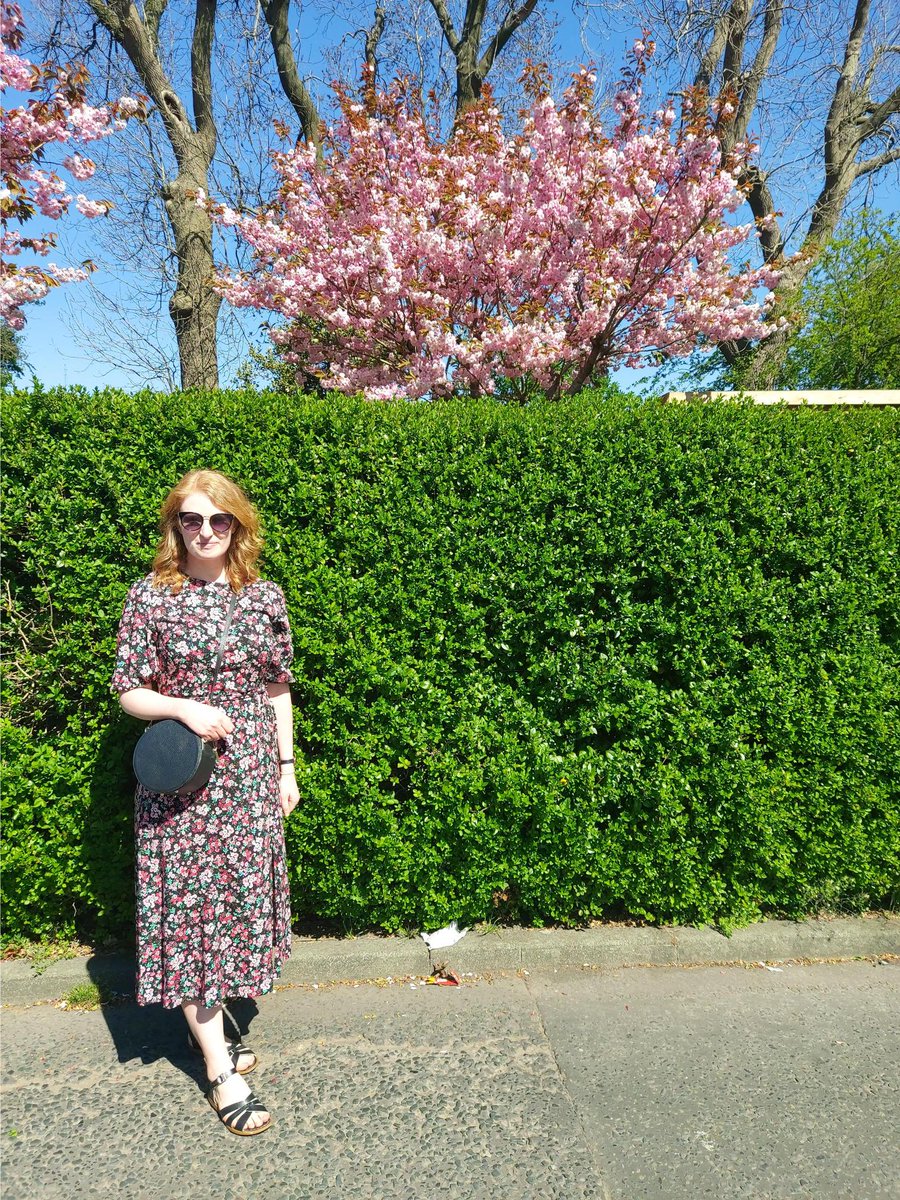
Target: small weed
point(41, 955)
point(85, 996)
point(488, 926)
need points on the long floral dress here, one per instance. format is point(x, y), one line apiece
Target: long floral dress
point(213, 912)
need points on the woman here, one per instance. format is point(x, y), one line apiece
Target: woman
point(213, 915)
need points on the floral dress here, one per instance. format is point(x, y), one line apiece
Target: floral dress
point(213, 914)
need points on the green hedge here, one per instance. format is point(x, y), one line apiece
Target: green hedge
point(556, 663)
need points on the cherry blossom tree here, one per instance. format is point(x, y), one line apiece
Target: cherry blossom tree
point(410, 266)
point(55, 114)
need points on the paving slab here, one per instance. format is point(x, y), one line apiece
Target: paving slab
point(735, 1084)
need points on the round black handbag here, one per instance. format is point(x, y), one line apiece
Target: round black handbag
point(169, 757)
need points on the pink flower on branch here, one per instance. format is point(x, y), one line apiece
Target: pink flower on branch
point(408, 266)
point(55, 113)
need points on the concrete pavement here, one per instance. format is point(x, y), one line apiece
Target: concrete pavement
point(551, 1082)
point(626, 1084)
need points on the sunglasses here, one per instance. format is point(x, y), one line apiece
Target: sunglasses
point(192, 522)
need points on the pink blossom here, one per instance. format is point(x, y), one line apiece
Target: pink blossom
point(15, 72)
point(68, 274)
point(26, 135)
point(410, 266)
point(129, 106)
point(91, 208)
point(79, 167)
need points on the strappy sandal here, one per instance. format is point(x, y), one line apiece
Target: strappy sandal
point(235, 1116)
point(235, 1050)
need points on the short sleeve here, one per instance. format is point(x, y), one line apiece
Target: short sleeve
point(282, 655)
point(137, 664)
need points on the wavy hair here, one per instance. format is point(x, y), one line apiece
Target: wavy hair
point(170, 564)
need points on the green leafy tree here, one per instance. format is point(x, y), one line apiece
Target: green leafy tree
point(847, 321)
point(11, 364)
point(850, 337)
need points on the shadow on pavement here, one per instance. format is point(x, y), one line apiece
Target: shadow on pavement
point(151, 1032)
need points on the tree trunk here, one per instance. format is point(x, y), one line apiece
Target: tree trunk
point(194, 305)
point(472, 63)
point(468, 79)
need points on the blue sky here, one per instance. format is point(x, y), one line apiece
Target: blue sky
point(61, 335)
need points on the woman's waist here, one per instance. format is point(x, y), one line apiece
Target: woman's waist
point(227, 689)
point(223, 691)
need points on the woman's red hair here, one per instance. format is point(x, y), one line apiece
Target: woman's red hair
point(169, 566)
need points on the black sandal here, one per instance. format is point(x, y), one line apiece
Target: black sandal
point(235, 1050)
point(235, 1116)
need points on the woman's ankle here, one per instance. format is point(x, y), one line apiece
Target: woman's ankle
point(219, 1065)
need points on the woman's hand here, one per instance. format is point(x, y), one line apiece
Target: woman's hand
point(207, 722)
point(290, 793)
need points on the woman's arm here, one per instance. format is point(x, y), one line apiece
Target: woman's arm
point(206, 721)
point(280, 699)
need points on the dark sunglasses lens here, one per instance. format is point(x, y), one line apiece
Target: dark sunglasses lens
point(221, 522)
point(190, 522)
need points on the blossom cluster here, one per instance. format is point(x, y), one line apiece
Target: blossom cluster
point(410, 265)
point(55, 113)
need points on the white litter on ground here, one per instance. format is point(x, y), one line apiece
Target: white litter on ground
point(442, 938)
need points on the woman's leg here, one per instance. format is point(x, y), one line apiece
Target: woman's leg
point(242, 1057)
point(207, 1026)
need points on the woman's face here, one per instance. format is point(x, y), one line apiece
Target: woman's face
point(202, 526)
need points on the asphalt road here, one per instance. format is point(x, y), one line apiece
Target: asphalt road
point(630, 1084)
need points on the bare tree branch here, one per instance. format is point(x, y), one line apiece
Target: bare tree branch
point(201, 74)
point(443, 16)
point(735, 41)
point(106, 15)
point(513, 21)
point(153, 13)
point(762, 205)
point(473, 21)
point(710, 57)
point(878, 115)
point(878, 54)
point(880, 160)
point(122, 20)
point(373, 36)
point(276, 14)
point(473, 64)
point(843, 92)
point(752, 80)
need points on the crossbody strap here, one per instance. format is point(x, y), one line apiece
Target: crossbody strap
point(223, 639)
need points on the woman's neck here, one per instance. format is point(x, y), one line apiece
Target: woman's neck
point(210, 571)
